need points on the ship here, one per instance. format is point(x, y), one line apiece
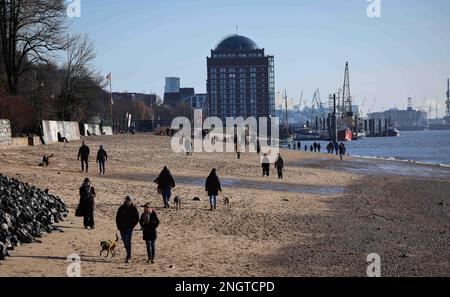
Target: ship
point(344, 134)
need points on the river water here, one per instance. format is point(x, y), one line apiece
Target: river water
point(428, 147)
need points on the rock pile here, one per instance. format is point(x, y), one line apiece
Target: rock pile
point(26, 213)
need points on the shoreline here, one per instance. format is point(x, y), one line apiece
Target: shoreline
point(274, 228)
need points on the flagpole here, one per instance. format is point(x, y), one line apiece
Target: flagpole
point(111, 101)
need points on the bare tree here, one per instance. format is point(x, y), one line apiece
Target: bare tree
point(30, 31)
point(79, 73)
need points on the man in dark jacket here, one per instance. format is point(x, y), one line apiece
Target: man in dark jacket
point(127, 218)
point(102, 157)
point(165, 183)
point(149, 222)
point(212, 186)
point(83, 153)
point(265, 164)
point(87, 196)
point(279, 165)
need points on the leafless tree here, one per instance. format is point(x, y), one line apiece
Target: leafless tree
point(79, 74)
point(30, 32)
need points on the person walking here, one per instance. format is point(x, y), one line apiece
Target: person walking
point(212, 186)
point(306, 148)
point(341, 150)
point(336, 148)
point(299, 146)
point(319, 147)
point(86, 205)
point(149, 222)
point(265, 164)
point(165, 183)
point(127, 218)
point(279, 165)
point(188, 146)
point(315, 146)
point(102, 157)
point(83, 153)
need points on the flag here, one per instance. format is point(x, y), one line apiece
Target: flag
point(109, 77)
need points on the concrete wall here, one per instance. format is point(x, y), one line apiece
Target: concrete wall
point(106, 130)
point(34, 140)
point(19, 141)
point(5, 133)
point(93, 129)
point(70, 130)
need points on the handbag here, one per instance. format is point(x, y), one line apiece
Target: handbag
point(79, 212)
point(158, 190)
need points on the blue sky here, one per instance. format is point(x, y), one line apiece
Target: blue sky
point(404, 53)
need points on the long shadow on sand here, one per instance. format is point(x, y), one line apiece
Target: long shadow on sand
point(264, 184)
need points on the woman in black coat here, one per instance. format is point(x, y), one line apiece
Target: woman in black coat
point(87, 196)
point(165, 183)
point(212, 186)
point(149, 222)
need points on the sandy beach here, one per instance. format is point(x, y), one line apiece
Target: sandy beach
point(320, 220)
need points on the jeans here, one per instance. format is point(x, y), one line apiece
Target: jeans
point(213, 200)
point(101, 164)
point(126, 237)
point(151, 252)
point(166, 196)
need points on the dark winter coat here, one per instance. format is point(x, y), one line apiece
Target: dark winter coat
point(102, 155)
point(212, 185)
point(127, 217)
point(279, 163)
point(83, 152)
point(87, 196)
point(165, 180)
point(149, 222)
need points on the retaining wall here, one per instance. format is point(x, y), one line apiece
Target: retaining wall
point(70, 130)
point(5, 133)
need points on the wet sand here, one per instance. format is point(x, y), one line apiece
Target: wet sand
point(323, 219)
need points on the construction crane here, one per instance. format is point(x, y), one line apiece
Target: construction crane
point(346, 98)
point(300, 103)
point(285, 101)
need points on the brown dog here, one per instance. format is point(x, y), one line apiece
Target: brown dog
point(109, 246)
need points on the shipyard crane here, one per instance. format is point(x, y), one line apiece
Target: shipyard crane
point(300, 103)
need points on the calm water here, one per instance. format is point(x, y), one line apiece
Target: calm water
point(432, 147)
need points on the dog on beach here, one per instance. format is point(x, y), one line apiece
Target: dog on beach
point(109, 246)
point(177, 202)
point(227, 201)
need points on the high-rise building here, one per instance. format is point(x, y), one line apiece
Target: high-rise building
point(241, 80)
point(172, 85)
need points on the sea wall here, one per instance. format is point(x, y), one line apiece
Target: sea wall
point(5, 133)
point(50, 129)
point(106, 130)
point(93, 129)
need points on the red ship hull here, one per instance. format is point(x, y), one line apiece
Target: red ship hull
point(345, 135)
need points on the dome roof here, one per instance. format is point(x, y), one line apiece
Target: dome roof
point(236, 42)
